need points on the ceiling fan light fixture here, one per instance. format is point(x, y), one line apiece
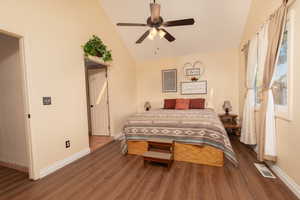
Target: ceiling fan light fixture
point(151, 37)
point(152, 34)
point(161, 33)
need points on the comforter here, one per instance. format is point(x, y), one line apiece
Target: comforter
point(196, 127)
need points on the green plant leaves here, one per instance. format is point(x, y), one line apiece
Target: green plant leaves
point(95, 47)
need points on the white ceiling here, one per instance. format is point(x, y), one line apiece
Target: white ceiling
point(219, 25)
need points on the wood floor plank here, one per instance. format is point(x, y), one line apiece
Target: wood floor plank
point(91, 172)
point(43, 187)
point(107, 175)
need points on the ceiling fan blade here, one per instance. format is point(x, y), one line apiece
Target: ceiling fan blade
point(168, 36)
point(182, 22)
point(155, 12)
point(143, 37)
point(130, 24)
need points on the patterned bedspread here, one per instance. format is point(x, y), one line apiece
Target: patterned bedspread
point(195, 127)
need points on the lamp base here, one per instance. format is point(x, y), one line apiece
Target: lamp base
point(227, 111)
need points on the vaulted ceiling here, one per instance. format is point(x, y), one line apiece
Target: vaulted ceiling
point(219, 25)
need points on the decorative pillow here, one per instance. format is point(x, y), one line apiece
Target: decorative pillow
point(170, 104)
point(197, 103)
point(182, 104)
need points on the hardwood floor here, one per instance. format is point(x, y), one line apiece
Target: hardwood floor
point(97, 142)
point(107, 175)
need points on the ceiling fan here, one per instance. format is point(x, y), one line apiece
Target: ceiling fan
point(156, 23)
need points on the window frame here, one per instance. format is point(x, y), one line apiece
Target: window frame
point(285, 112)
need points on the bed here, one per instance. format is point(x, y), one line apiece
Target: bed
point(199, 135)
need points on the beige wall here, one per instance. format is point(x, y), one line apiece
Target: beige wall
point(288, 135)
point(12, 112)
point(221, 72)
point(54, 31)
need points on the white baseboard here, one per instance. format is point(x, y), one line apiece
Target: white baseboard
point(62, 163)
point(292, 185)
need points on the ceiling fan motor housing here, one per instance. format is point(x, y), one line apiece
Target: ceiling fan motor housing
point(156, 24)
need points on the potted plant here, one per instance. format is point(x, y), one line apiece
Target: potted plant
point(95, 47)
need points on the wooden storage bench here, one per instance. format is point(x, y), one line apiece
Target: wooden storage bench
point(205, 154)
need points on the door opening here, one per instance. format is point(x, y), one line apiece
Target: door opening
point(98, 105)
point(15, 140)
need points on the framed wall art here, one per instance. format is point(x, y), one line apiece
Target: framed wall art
point(193, 72)
point(191, 88)
point(169, 80)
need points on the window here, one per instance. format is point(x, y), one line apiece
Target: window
point(282, 83)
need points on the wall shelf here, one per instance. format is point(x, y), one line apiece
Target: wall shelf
point(95, 62)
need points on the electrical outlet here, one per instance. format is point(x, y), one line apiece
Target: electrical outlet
point(68, 144)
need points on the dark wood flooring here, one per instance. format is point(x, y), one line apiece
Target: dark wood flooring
point(107, 175)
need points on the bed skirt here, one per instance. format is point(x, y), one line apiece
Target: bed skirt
point(204, 154)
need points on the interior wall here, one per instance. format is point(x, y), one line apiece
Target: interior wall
point(221, 72)
point(288, 135)
point(54, 31)
point(12, 113)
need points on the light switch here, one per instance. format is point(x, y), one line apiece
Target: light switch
point(47, 101)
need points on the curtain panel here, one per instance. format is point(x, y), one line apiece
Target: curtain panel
point(267, 129)
point(248, 133)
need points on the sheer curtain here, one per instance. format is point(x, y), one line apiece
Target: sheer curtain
point(262, 54)
point(248, 134)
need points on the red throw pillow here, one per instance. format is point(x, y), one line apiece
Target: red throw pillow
point(197, 103)
point(182, 104)
point(170, 104)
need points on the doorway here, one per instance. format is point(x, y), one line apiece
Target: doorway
point(15, 143)
point(98, 105)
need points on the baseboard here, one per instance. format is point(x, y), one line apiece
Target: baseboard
point(14, 166)
point(292, 185)
point(60, 164)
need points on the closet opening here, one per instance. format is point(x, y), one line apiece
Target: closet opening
point(15, 140)
point(97, 86)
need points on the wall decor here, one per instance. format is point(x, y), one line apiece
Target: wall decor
point(193, 72)
point(199, 65)
point(190, 88)
point(195, 69)
point(169, 80)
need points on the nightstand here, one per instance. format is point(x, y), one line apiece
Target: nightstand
point(230, 123)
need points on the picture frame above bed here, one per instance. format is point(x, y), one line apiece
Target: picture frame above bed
point(169, 80)
point(192, 88)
